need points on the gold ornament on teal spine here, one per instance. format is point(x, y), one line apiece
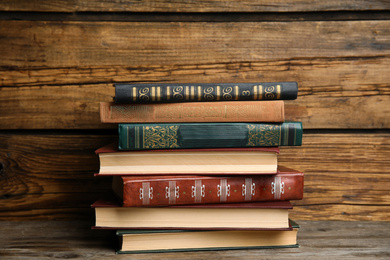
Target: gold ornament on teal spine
point(263, 135)
point(160, 137)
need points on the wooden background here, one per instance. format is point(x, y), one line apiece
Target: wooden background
point(59, 59)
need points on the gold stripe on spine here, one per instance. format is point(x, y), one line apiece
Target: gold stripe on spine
point(187, 93)
point(158, 94)
point(260, 92)
point(199, 93)
point(277, 91)
point(217, 93)
point(153, 94)
point(255, 92)
point(237, 94)
point(134, 94)
point(192, 92)
point(168, 93)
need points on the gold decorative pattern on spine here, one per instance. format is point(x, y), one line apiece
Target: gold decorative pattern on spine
point(255, 92)
point(208, 94)
point(199, 93)
point(263, 135)
point(134, 94)
point(217, 94)
point(278, 92)
point(260, 92)
point(187, 93)
point(168, 93)
point(237, 94)
point(153, 94)
point(158, 94)
point(164, 136)
point(192, 92)
point(269, 92)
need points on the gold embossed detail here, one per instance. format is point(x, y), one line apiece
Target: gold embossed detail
point(269, 92)
point(227, 93)
point(208, 93)
point(143, 94)
point(263, 135)
point(160, 136)
point(177, 92)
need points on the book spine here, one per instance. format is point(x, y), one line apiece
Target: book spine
point(198, 92)
point(212, 190)
point(208, 135)
point(260, 111)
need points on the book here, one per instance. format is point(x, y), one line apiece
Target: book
point(138, 191)
point(255, 215)
point(208, 135)
point(198, 92)
point(160, 241)
point(240, 111)
point(187, 161)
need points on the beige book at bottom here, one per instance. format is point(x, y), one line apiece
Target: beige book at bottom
point(159, 241)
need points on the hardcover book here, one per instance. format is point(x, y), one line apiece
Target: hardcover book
point(240, 111)
point(137, 191)
point(215, 161)
point(197, 92)
point(208, 135)
point(256, 215)
point(139, 241)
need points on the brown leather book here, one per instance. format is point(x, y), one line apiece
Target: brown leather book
point(239, 111)
point(137, 191)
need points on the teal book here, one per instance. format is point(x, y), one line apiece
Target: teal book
point(208, 135)
point(163, 241)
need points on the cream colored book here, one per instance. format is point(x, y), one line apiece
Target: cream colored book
point(188, 161)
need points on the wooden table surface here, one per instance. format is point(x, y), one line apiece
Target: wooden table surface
point(75, 240)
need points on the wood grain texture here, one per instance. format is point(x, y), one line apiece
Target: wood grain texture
point(31, 44)
point(51, 177)
point(191, 6)
point(77, 107)
point(317, 239)
point(333, 93)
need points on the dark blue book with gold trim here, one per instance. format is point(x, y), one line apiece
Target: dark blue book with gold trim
point(208, 135)
point(197, 92)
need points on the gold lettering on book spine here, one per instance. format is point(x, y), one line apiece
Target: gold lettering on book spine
point(263, 135)
point(160, 136)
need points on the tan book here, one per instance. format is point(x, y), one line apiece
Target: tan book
point(238, 111)
point(217, 161)
point(139, 241)
point(252, 215)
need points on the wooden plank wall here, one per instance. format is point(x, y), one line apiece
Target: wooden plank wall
point(59, 60)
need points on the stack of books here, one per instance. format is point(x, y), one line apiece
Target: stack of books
point(195, 167)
